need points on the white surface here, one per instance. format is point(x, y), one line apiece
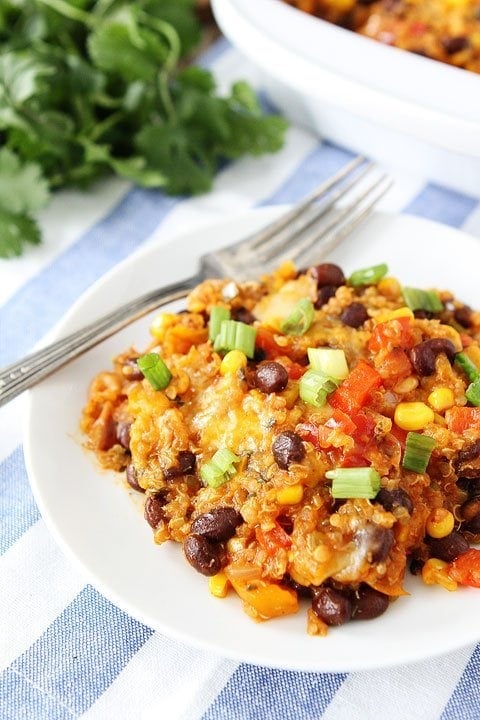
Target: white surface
point(98, 525)
point(394, 106)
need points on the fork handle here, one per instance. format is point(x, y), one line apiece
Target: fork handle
point(28, 371)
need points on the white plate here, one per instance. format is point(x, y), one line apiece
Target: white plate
point(97, 524)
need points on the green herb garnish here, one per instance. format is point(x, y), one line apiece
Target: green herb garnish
point(418, 449)
point(154, 369)
point(94, 87)
point(360, 482)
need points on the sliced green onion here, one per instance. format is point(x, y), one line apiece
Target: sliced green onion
point(473, 392)
point(469, 368)
point(362, 482)
point(314, 388)
point(300, 319)
point(417, 299)
point(155, 370)
point(418, 449)
point(330, 361)
point(220, 468)
point(368, 276)
point(218, 314)
point(235, 335)
point(225, 459)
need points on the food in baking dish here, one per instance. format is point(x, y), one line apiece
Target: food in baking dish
point(307, 438)
point(445, 30)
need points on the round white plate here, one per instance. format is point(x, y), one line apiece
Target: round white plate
point(98, 525)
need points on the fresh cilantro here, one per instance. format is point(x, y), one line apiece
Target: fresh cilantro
point(23, 191)
point(92, 87)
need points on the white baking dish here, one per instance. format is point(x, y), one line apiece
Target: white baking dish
point(397, 107)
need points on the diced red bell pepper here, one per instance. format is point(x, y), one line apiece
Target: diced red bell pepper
point(364, 428)
point(460, 419)
point(341, 420)
point(271, 540)
point(392, 334)
point(355, 390)
point(354, 458)
point(295, 370)
point(265, 341)
point(308, 431)
point(465, 569)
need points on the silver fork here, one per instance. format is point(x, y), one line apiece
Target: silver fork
point(318, 219)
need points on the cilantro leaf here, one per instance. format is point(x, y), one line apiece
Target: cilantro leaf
point(22, 187)
point(15, 231)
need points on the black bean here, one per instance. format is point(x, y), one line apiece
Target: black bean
point(380, 543)
point(324, 294)
point(123, 434)
point(302, 590)
point(470, 511)
point(472, 486)
point(354, 315)
point(416, 566)
point(455, 44)
point(271, 377)
point(463, 315)
point(202, 554)
point(153, 511)
point(332, 606)
point(132, 479)
point(449, 547)
point(472, 526)
point(467, 461)
point(241, 314)
point(369, 603)
point(288, 448)
point(328, 274)
point(217, 524)
point(259, 354)
point(470, 508)
point(424, 355)
point(391, 499)
point(423, 314)
point(185, 465)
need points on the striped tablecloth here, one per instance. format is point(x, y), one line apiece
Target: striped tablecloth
point(67, 652)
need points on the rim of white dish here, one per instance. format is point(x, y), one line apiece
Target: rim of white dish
point(270, 46)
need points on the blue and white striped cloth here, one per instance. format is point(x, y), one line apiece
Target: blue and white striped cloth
point(67, 652)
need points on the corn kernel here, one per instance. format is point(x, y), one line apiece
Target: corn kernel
point(290, 495)
point(387, 315)
point(389, 286)
point(413, 415)
point(233, 362)
point(434, 572)
point(161, 323)
point(218, 585)
point(441, 398)
point(440, 523)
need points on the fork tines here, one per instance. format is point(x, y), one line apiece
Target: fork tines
point(325, 217)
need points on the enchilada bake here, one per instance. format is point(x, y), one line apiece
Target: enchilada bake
point(307, 438)
point(445, 30)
